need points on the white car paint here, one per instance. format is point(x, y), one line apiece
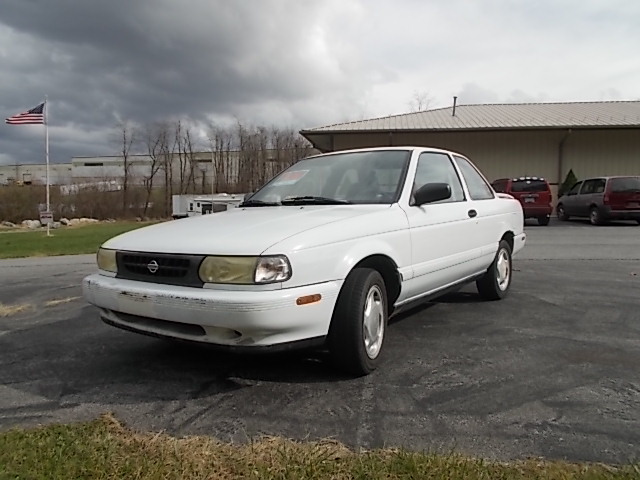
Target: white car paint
point(431, 246)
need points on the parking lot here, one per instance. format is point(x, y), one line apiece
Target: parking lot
point(551, 371)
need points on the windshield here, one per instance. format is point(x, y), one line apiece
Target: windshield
point(354, 177)
point(626, 184)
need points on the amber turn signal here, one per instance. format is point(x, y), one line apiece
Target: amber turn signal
point(307, 299)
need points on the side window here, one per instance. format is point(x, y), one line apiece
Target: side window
point(574, 190)
point(589, 187)
point(599, 185)
point(437, 168)
point(478, 187)
point(500, 186)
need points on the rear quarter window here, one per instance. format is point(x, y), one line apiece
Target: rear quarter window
point(627, 184)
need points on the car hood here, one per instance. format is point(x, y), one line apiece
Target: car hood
point(240, 231)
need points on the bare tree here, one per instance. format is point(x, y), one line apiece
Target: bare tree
point(184, 151)
point(420, 101)
point(156, 139)
point(127, 139)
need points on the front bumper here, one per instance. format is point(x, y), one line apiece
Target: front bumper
point(223, 317)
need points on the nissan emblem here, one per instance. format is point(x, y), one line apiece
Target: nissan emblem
point(152, 266)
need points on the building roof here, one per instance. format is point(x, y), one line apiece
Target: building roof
point(500, 116)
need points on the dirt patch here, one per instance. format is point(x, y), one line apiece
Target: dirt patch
point(9, 310)
point(53, 303)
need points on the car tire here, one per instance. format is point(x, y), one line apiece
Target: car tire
point(359, 322)
point(544, 221)
point(595, 217)
point(495, 283)
point(562, 215)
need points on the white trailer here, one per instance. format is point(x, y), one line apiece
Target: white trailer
point(192, 205)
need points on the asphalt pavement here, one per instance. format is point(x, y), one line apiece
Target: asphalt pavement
point(551, 371)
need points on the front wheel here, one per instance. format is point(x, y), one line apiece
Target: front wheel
point(495, 284)
point(562, 215)
point(359, 322)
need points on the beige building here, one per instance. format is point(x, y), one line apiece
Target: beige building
point(509, 140)
point(35, 174)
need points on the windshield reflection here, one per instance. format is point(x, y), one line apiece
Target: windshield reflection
point(345, 178)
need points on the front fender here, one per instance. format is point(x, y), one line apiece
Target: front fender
point(334, 261)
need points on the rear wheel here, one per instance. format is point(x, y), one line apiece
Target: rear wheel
point(495, 284)
point(359, 322)
point(562, 215)
point(543, 220)
point(595, 217)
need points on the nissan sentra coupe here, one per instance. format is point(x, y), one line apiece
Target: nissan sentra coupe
point(321, 255)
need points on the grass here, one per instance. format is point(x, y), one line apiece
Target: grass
point(63, 241)
point(105, 449)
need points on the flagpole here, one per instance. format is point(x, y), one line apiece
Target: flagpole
point(46, 136)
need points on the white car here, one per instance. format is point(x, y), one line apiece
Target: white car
point(321, 255)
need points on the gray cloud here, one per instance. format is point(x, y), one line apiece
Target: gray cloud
point(292, 63)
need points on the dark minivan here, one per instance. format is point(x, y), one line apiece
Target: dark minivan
point(533, 193)
point(602, 199)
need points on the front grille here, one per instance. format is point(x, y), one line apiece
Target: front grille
point(160, 268)
point(167, 267)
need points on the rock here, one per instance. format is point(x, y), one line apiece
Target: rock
point(64, 221)
point(8, 224)
point(74, 221)
point(55, 225)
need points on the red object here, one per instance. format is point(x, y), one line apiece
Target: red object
point(533, 193)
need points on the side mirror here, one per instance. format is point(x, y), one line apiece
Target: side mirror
point(432, 192)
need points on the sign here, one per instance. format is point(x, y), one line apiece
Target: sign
point(46, 218)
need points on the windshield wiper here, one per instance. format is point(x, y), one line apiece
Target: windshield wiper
point(258, 203)
point(309, 199)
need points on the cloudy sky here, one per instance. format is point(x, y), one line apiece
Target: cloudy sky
point(295, 63)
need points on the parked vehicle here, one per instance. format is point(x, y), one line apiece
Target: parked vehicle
point(189, 205)
point(321, 255)
point(533, 193)
point(602, 199)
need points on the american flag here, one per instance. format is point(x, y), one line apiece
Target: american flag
point(35, 116)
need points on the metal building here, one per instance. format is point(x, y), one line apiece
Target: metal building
point(510, 140)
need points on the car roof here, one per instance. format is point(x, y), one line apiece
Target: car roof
point(520, 179)
point(609, 177)
point(398, 147)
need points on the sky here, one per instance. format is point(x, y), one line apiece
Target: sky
point(294, 63)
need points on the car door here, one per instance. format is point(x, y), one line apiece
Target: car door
point(570, 200)
point(585, 197)
point(487, 212)
point(440, 232)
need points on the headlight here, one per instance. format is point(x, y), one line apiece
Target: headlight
point(244, 270)
point(272, 269)
point(227, 269)
point(107, 260)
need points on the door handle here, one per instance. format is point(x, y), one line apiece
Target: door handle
point(472, 213)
